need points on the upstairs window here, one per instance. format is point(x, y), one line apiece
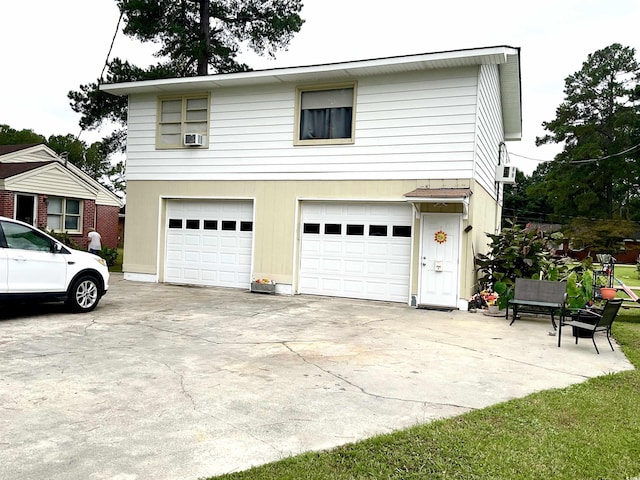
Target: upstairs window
point(325, 115)
point(178, 116)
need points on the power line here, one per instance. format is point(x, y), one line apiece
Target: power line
point(578, 162)
point(113, 40)
point(106, 60)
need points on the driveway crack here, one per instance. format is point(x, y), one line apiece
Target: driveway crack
point(365, 392)
point(185, 392)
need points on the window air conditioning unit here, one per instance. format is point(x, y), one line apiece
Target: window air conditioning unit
point(505, 174)
point(193, 139)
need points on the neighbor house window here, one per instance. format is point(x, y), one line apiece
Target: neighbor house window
point(64, 214)
point(325, 115)
point(178, 116)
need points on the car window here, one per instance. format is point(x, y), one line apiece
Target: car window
point(24, 238)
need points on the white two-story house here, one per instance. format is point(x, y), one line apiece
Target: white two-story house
point(372, 179)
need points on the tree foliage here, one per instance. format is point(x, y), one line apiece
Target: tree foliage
point(601, 236)
point(188, 42)
point(188, 46)
point(10, 136)
point(597, 175)
point(521, 205)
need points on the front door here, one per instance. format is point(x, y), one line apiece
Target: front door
point(440, 259)
point(25, 208)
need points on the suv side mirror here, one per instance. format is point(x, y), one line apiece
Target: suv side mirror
point(56, 248)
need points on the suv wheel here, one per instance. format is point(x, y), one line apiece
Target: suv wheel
point(84, 294)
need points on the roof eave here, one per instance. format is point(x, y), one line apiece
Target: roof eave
point(344, 70)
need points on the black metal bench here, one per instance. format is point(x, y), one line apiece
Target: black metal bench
point(538, 296)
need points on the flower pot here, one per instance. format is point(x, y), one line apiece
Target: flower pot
point(269, 288)
point(494, 309)
point(608, 293)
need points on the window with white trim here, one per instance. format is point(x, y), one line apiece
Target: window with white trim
point(178, 116)
point(325, 115)
point(64, 214)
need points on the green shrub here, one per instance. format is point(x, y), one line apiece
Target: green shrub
point(63, 237)
point(517, 253)
point(110, 255)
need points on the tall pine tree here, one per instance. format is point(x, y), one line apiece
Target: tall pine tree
point(597, 175)
point(195, 37)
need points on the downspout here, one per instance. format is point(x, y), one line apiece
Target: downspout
point(498, 207)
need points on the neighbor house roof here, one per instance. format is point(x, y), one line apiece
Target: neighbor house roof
point(11, 169)
point(507, 58)
point(4, 149)
point(18, 161)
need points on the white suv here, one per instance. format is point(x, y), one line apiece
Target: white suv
point(35, 266)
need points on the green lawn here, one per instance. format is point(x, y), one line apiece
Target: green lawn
point(627, 274)
point(590, 430)
point(118, 265)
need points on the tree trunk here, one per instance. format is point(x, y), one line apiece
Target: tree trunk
point(203, 60)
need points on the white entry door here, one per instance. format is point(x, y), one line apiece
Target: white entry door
point(440, 260)
point(209, 242)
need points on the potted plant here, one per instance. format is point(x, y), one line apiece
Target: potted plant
point(263, 285)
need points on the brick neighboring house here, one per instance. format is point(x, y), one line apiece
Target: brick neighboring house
point(40, 188)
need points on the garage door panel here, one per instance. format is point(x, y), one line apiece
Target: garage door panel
point(331, 246)
point(355, 248)
point(398, 269)
point(377, 268)
point(377, 248)
point(331, 286)
point(209, 275)
point(191, 274)
point(330, 265)
point(213, 250)
point(174, 255)
point(354, 267)
point(191, 240)
point(365, 260)
point(210, 241)
point(310, 264)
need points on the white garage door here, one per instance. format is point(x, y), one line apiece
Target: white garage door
point(356, 250)
point(209, 242)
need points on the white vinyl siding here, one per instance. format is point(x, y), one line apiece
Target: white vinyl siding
point(410, 126)
point(54, 180)
point(490, 126)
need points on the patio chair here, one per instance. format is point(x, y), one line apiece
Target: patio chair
point(593, 322)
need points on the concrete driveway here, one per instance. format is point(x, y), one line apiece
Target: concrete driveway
point(170, 382)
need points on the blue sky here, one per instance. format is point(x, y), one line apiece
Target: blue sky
point(49, 48)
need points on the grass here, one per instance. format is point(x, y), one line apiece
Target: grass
point(590, 430)
point(627, 274)
point(118, 265)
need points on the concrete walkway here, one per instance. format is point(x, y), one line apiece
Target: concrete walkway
point(169, 382)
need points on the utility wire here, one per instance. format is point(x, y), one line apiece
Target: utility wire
point(106, 60)
point(115, 34)
point(578, 162)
